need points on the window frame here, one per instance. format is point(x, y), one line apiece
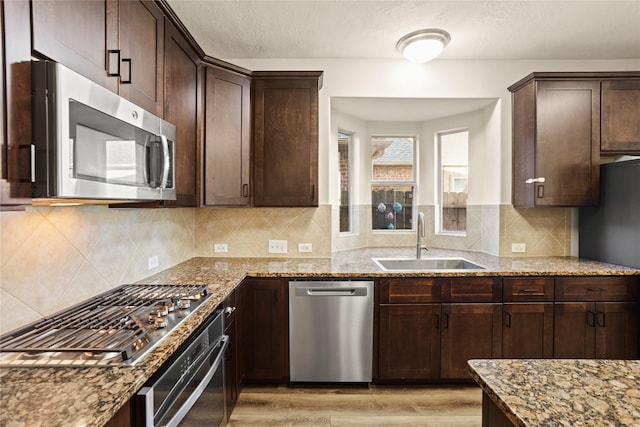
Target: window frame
point(350, 183)
point(395, 183)
point(439, 190)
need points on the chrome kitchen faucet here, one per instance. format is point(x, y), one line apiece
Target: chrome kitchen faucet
point(419, 234)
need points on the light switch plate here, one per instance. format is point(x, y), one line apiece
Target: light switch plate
point(518, 247)
point(153, 262)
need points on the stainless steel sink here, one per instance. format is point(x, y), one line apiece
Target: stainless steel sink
point(425, 264)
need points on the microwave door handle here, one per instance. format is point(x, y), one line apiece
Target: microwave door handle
point(167, 160)
point(147, 165)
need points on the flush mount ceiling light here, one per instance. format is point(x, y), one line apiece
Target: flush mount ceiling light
point(423, 45)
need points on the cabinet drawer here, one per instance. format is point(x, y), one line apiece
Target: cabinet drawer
point(604, 288)
point(527, 289)
point(404, 290)
point(474, 289)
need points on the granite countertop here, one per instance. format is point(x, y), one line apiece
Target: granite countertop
point(562, 392)
point(73, 396)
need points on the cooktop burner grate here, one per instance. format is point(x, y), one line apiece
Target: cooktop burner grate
point(115, 325)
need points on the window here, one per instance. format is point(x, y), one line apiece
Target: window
point(453, 167)
point(393, 182)
point(344, 150)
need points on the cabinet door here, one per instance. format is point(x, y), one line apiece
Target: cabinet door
point(181, 68)
point(573, 330)
point(75, 34)
point(241, 331)
point(266, 345)
point(227, 138)
point(567, 146)
point(621, 116)
point(616, 330)
point(409, 344)
point(231, 391)
point(15, 148)
point(527, 330)
point(285, 141)
point(469, 331)
point(141, 43)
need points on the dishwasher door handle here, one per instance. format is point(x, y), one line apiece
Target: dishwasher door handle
point(331, 292)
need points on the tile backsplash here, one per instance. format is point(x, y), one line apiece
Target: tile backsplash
point(247, 231)
point(52, 258)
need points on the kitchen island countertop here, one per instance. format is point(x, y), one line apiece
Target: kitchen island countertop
point(90, 396)
point(562, 392)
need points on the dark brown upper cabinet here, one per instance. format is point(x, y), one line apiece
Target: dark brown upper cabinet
point(621, 116)
point(15, 106)
point(76, 34)
point(559, 121)
point(227, 142)
point(285, 138)
point(118, 44)
point(141, 54)
point(181, 100)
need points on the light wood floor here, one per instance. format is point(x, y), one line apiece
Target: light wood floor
point(359, 406)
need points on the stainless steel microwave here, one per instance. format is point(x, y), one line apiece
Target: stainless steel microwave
point(91, 143)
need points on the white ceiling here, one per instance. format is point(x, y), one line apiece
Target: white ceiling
point(506, 29)
point(368, 29)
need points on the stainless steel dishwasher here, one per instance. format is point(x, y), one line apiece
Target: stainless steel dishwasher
point(330, 331)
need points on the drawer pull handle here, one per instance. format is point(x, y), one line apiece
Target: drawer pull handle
point(528, 291)
point(599, 290)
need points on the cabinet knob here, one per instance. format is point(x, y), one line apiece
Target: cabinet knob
point(534, 180)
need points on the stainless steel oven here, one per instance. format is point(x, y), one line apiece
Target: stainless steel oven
point(189, 389)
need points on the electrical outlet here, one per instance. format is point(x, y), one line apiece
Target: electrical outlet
point(518, 247)
point(220, 247)
point(277, 246)
point(153, 262)
point(305, 247)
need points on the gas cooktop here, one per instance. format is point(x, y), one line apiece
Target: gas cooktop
point(114, 328)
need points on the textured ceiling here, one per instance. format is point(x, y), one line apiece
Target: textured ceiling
point(505, 29)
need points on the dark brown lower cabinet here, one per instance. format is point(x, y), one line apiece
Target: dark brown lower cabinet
point(265, 344)
point(492, 415)
point(421, 342)
point(124, 417)
point(527, 330)
point(409, 342)
point(606, 330)
point(469, 331)
point(232, 389)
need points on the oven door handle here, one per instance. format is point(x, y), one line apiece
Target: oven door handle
point(191, 400)
point(146, 393)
